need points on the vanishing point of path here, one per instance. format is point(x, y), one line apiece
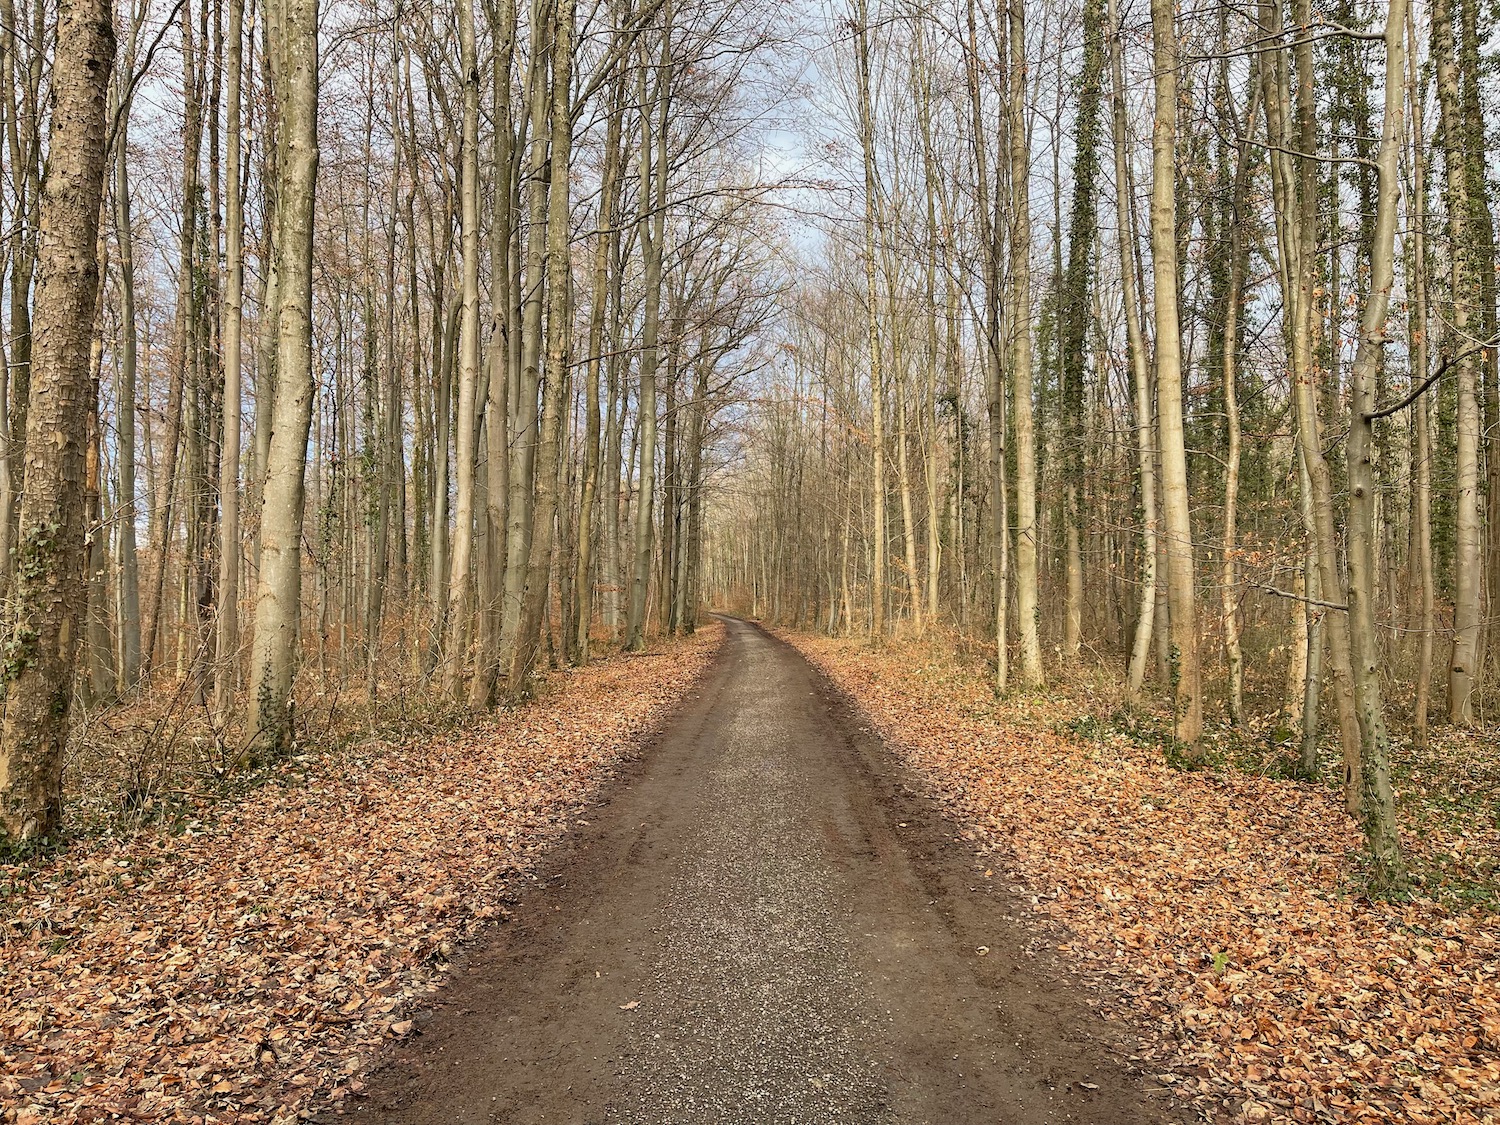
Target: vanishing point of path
point(765, 924)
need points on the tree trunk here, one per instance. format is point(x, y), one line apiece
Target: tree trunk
point(877, 394)
point(48, 589)
point(599, 296)
point(460, 601)
point(1421, 460)
point(294, 35)
point(1463, 672)
point(125, 503)
point(1379, 804)
point(1181, 595)
point(227, 644)
point(1027, 607)
point(652, 232)
point(1140, 369)
point(559, 335)
point(1239, 255)
point(1074, 308)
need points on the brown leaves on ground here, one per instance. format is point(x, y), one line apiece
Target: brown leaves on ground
point(255, 961)
point(1219, 902)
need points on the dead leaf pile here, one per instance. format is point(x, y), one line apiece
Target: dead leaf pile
point(1224, 905)
point(256, 961)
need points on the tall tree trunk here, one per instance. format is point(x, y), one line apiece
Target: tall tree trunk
point(994, 375)
point(872, 315)
point(460, 587)
point(294, 35)
point(555, 391)
point(652, 233)
point(126, 505)
point(1181, 594)
point(525, 419)
point(1239, 256)
point(599, 308)
point(1377, 799)
point(48, 591)
point(1027, 569)
point(228, 641)
point(1463, 672)
point(1074, 307)
point(1421, 460)
point(503, 261)
point(1140, 370)
point(183, 336)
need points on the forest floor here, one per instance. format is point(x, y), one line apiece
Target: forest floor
point(769, 923)
point(1225, 908)
point(243, 954)
point(872, 895)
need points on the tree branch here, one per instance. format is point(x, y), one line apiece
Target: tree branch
point(1421, 389)
point(1297, 597)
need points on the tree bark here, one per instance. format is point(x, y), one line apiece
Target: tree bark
point(1140, 369)
point(1379, 805)
point(1463, 671)
point(48, 589)
point(872, 315)
point(294, 36)
point(226, 675)
point(460, 587)
point(1027, 604)
point(1181, 593)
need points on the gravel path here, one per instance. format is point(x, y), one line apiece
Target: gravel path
point(766, 924)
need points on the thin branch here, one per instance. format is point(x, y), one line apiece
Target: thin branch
point(1297, 597)
point(1421, 389)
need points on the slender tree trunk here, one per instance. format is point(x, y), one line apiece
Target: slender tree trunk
point(1421, 426)
point(228, 643)
point(183, 335)
point(1074, 308)
point(1463, 672)
point(294, 36)
point(126, 507)
point(1239, 255)
point(460, 587)
point(600, 294)
point(994, 375)
point(877, 378)
point(1181, 595)
point(498, 411)
point(1377, 798)
point(555, 391)
point(1027, 605)
point(652, 231)
point(1140, 370)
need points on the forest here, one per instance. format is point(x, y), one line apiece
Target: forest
point(590, 316)
point(368, 370)
point(420, 345)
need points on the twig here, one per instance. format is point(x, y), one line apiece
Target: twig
point(1297, 597)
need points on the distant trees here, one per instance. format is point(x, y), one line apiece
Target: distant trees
point(1183, 396)
point(433, 343)
point(363, 268)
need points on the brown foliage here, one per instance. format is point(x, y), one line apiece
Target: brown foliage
point(254, 962)
point(1220, 907)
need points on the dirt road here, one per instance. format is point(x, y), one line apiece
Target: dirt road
point(768, 924)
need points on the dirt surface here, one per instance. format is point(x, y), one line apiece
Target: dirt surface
point(767, 923)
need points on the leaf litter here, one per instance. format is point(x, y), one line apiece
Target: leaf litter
point(1220, 910)
point(249, 968)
